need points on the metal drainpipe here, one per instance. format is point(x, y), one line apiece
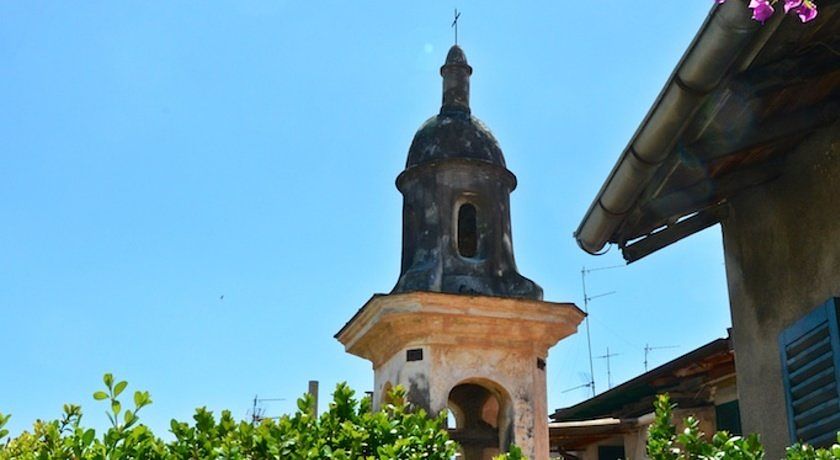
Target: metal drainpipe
point(720, 41)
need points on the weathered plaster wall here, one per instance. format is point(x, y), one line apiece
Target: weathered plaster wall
point(492, 342)
point(635, 443)
point(411, 375)
point(511, 373)
point(782, 245)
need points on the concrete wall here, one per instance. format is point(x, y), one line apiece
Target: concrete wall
point(782, 245)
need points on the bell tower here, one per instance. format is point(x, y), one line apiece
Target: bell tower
point(456, 211)
point(462, 330)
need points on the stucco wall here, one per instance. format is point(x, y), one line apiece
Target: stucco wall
point(782, 245)
point(513, 372)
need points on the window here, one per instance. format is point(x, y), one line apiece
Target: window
point(728, 417)
point(611, 452)
point(467, 231)
point(414, 354)
point(810, 352)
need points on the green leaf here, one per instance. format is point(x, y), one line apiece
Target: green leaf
point(100, 395)
point(116, 407)
point(87, 438)
point(119, 388)
point(108, 379)
point(129, 417)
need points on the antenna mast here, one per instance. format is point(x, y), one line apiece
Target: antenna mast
point(586, 299)
point(257, 412)
point(609, 373)
point(648, 349)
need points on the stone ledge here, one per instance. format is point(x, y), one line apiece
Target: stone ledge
point(387, 324)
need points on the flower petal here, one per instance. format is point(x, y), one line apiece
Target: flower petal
point(807, 11)
point(790, 4)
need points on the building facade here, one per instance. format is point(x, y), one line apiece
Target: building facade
point(746, 133)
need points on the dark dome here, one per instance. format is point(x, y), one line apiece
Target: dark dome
point(454, 135)
point(454, 132)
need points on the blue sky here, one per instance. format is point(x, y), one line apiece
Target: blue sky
point(158, 155)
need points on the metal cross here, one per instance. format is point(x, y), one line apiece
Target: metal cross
point(455, 24)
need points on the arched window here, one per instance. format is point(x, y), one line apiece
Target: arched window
point(467, 231)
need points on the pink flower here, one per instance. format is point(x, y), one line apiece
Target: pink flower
point(790, 4)
point(762, 10)
point(806, 11)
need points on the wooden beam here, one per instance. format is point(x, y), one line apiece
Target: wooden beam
point(671, 234)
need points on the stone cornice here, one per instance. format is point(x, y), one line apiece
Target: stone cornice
point(387, 324)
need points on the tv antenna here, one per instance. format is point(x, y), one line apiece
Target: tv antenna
point(607, 357)
point(649, 348)
point(586, 298)
point(257, 412)
point(584, 377)
point(455, 24)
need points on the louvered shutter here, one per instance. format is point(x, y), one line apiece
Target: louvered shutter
point(811, 371)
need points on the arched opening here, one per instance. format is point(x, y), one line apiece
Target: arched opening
point(467, 231)
point(410, 228)
point(483, 418)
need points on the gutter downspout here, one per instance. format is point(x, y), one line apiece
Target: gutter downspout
point(721, 40)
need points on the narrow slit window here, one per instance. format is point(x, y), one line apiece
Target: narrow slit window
point(467, 231)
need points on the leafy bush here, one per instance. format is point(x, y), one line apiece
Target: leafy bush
point(348, 430)
point(665, 444)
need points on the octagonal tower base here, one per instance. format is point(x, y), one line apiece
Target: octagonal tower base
point(481, 357)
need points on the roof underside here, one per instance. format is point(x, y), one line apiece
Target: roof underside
point(783, 88)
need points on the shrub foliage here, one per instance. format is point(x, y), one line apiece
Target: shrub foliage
point(350, 429)
point(665, 444)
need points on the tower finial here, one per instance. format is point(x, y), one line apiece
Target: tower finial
point(455, 24)
point(456, 81)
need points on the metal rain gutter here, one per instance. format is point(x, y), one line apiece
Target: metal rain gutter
point(721, 40)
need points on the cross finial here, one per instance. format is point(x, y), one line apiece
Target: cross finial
point(455, 24)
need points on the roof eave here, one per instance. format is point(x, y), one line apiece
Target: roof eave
point(721, 40)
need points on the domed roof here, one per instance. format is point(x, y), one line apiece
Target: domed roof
point(454, 132)
point(454, 135)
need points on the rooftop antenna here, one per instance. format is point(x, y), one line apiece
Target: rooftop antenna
point(258, 412)
point(607, 357)
point(583, 377)
point(649, 348)
point(455, 24)
point(586, 298)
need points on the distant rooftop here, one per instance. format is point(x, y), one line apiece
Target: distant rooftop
point(635, 397)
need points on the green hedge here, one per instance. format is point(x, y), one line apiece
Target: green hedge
point(665, 444)
point(350, 429)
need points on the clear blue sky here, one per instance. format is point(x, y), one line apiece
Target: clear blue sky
point(157, 155)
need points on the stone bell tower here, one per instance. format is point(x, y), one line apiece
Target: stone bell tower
point(462, 329)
